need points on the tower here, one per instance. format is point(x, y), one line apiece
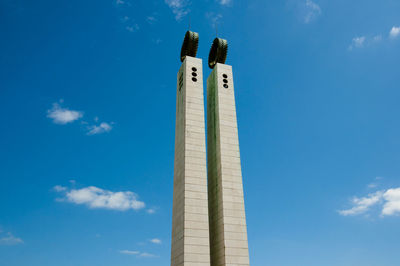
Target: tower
point(208, 223)
point(227, 220)
point(190, 227)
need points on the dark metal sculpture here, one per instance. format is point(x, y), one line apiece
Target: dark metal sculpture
point(190, 45)
point(218, 52)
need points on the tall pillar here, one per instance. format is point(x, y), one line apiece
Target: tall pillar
point(228, 233)
point(190, 234)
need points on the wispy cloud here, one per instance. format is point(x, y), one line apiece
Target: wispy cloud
point(151, 19)
point(10, 240)
point(59, 188)
point(361, 205)
point(128, 23)
point(157, 41)
point(155, 241)
point(375, 183)
point(312, 11)
point(132, 28)
point(99, 129)
point(357, 42)
point(125, 19)
point(63, 116)
point(97, 198)
point(179, 8)
point(129, 252)
point(377, 38)
point(364, 41)
point(147, 255)
point(151, 211)
point(137, 253)
point(213, 18)
point(388, 202)
point(225, 2)
point(394, 32)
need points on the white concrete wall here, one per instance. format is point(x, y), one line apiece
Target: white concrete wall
point(228, 232)
point(190, 226)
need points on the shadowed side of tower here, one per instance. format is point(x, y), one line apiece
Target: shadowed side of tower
point(228, 232)
point(190, 227)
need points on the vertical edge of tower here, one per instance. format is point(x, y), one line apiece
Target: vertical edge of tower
point(228, 231)
point(214, 170)
point(190, 228)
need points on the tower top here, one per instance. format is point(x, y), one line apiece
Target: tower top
point(190, 45)
point(218, 52)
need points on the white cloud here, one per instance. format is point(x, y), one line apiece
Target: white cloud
point(63, 116)
point(120, 2)
point(392, 204)
point(10, 240)
point(155, 241)
point(357, 42)
point(129, 252)
point(362, 41)
point(225, 2)
point(388, 201)
point(178, 7)
point(394, 32)
point(312, 11)
point(102, 128)
point(97, 198)
point(361, 205)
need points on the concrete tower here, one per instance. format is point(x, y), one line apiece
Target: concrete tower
point(190, 234)
point(228, 232)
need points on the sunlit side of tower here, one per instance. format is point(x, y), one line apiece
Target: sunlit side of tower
point(190, 227)
point(228, 231)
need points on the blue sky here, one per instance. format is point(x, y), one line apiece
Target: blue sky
point(87, 103)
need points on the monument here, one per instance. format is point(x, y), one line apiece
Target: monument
point(190, 235)
point(228, 232)
point(208, 224)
